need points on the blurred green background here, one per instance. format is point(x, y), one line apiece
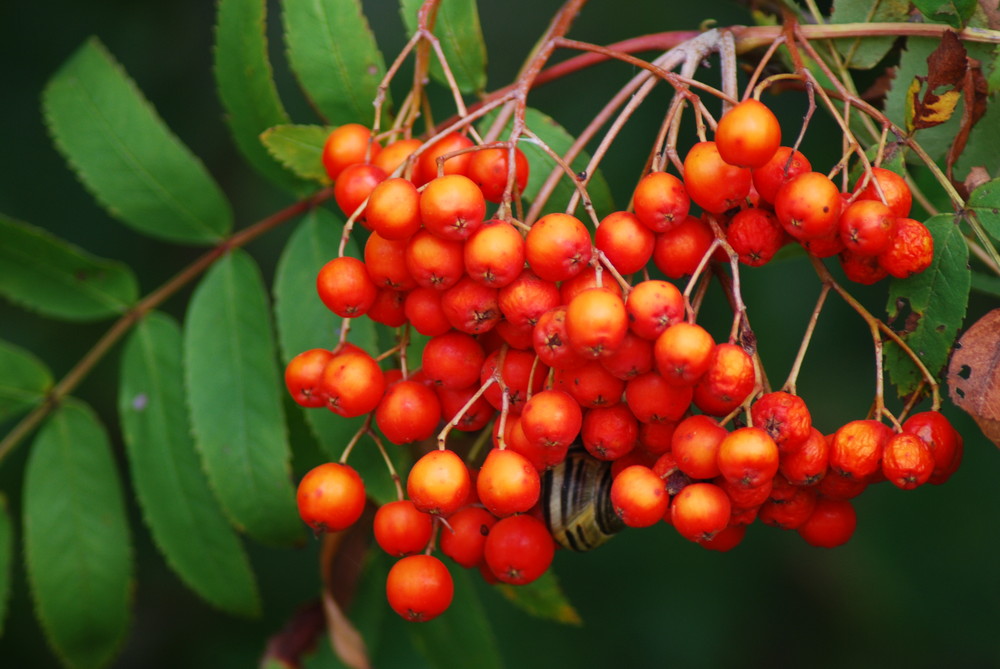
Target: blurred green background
point(916, 586)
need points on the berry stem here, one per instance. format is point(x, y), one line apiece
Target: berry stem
point(364, 429)
point(442, 437)
point(396, 481)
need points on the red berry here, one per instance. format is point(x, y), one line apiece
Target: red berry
point(419, 588)
point(331, 497)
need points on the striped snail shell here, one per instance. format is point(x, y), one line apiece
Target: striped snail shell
point(576, 497)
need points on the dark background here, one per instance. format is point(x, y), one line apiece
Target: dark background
point(917, 585)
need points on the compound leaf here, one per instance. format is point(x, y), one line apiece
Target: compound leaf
point(864, 54)
point(927, 309)
point(304, 322)
point(333, 53)
point(126, 156)
point(76, 537)
point(45, 274)
point(177, 503)
point(458, 30)
point(246, 84)
point(24, 380)
point(299, 148)
point(233, 389)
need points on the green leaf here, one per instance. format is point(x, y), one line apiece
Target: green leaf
point(304, 322)
point(6, 558)
point(178, 506)
point(986, 283)
point(45, 274)
point(542, 598)
point(333, 53)
point(24, 380)
point(461, 637)
point(461, 36)
point(866, 53)
point(126, 156)
point(299, 148)
point(246, 84)
point(541, 164)
point(76, 538)
point(928, 308)
point(233, 389)
point(985, 202)
point(953, 12)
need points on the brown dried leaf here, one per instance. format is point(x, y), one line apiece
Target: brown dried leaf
point(342, 560)
point(992, 12)
point(946, 68)
point(977, 176)
point(975, 90)
point(296, 639)
point(974, 374)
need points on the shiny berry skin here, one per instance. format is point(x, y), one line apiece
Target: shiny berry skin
point(660, 201)
point(831, 524)
point(700, 511)
point(866, 227)
point(452, 207)
point(464, 538)
point(683, 353)
point(680, 250)
point(596, 322)
point(551, 419)
point(439, 482)
point(303, 375)
point(772, 175)
point(453, 360)
point(910, 250)
point(590, 384)
point(653, 399)
point(653, 306)
point(897, 194)
point(347, 145)
point(494, 254)
point(331, 497)
point(608, 433)
point(748, 134)
point(352, 383)
point(419, 588)
point(808, 206)
point(715, 185)
point(395, 154)
point(344, 286)
point(507, 483)
point(394, 208)
point(806, 464)
point(695, 445)
point(748, 457)
point(471, 307)
point(354, 185)
point(639, 496)
point(488, 169)
point(402, 529)
point(519, 549)
point(518, 372)
point(409, 411)
point(558, 247)
point(944, 441)
point(625, 241)
point(427, 163)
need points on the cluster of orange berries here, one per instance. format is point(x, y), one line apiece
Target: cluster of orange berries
point(528, 324)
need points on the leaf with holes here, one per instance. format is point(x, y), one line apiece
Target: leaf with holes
point(974, 374)
point(126, 156)
point(46, 274)
point(233, 388)
point(177, 504)
point(927, 309)
point(76, 538)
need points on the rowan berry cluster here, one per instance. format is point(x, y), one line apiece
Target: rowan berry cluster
point(538, 330)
